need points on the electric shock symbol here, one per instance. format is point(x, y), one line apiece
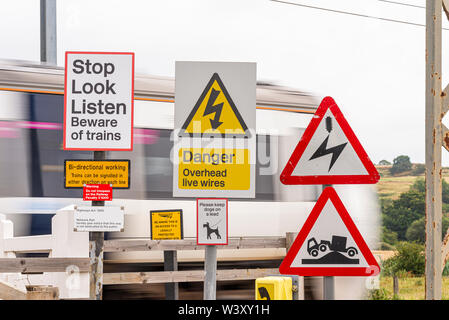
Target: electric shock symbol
point(211, 108)
point(215, 113)
point(323, 150)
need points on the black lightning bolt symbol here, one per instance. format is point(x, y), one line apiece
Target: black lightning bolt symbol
point(335, 151)
point(210, 108)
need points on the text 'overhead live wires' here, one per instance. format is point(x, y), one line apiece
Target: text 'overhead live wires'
point(359, 14)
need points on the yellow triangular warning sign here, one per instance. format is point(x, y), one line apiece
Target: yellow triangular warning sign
point(215, 114)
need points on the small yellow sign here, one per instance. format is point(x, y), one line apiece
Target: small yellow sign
point(166, 225)
point(215, 113)
point(77, 173)
point(214, 169)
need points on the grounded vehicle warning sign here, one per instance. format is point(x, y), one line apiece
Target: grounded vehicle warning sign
point(78, 173)
point(166, 225)
point(329, 243)
point(98, 105)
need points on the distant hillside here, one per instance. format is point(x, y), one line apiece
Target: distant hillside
point(391, 186)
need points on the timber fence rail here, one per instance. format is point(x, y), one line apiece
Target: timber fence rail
point(190, 275)
point(68, 256)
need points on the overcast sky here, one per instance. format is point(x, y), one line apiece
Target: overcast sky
point(373, 68)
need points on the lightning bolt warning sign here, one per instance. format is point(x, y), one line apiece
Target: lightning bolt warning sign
point(329, 152)
point(214, 148)
point(215, 114)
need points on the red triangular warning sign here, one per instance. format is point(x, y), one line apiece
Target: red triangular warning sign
point(329, 152)
point(329, 243)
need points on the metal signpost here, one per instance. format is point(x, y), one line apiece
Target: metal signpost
point(48, 31)
point(168, 225)
point(329, 243)
point(215, 142)
point(212, 230)
point(328, 281)
point(98, 116)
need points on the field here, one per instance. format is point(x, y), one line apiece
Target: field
point(390, 187)
point(411, 288)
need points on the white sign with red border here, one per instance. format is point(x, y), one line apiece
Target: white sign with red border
point(212, 221)
point(329, 243)
point(99, 101)
point(329, 152)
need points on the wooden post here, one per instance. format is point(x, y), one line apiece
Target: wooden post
point(96, 249)
point(289, 239)
point(395, 287)
point(171, 264)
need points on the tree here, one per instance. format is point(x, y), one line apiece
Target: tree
point(409, 257)
point(388, 236)
point(401, 164)
point(420, 186)
point(384, 163)
point(419, 169)
point(417, 230)
point(400, 214)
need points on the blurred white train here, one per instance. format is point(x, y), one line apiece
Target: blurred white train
point(32, 174)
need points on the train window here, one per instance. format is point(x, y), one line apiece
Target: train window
point(158, 167)
point(152, 170)
point(46, 160)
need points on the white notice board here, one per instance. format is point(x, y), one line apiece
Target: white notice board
point(98, 219)
point(98, 101)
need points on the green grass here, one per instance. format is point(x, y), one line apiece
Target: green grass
point(411, 288)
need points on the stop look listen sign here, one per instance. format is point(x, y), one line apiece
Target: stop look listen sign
point(99, 101)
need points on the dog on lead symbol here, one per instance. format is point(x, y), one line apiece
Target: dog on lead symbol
point(211, 230)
